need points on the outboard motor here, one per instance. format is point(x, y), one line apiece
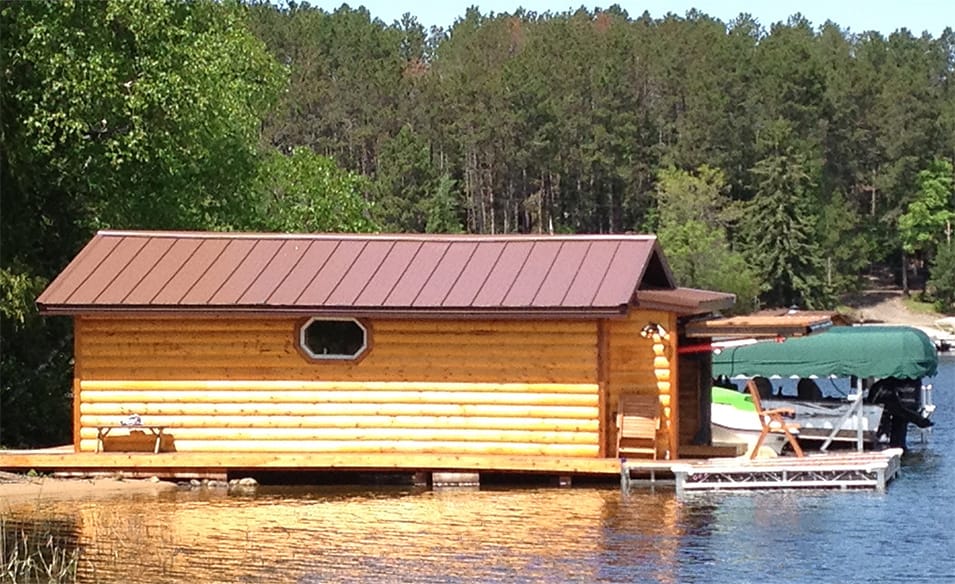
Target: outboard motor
point(910, 394)
point(901, 400)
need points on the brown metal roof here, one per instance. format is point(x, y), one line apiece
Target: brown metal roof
point(356, 274)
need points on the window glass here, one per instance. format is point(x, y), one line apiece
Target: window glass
point(333, 339)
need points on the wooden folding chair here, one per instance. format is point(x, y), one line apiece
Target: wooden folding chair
point(638, 420)
point(772, 421)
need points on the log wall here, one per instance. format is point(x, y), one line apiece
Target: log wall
point(241, 384)
point(631, 368)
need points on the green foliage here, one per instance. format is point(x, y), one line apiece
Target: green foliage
point(700, 257)
point(691, 216)
point(942, 281)
point(779, 225)
point(127, 114)
point(305, 192)
point(844, 246)
point(562, 121)
point(924, 222)
point(443, 208)
point(35, 380)
point(35, 357)
point(169, 139)
point(700, 196)
point(404, 182)
point(18, 292)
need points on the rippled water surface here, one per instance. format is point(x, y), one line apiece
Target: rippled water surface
point(402, 534)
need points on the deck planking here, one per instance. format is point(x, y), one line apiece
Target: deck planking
point(182, 464)
point(868, 470)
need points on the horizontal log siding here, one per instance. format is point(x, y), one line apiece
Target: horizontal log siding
point(241, 384)
point(631, 360)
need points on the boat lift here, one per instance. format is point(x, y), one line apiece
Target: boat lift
point(855, 409)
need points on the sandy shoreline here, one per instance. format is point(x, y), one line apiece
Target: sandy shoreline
point(21, 488)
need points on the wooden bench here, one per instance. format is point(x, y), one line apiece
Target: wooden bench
point(103, 431)
point(638, 421)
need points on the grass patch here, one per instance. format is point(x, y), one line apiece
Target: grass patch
point(35, 553)
point(916, 303)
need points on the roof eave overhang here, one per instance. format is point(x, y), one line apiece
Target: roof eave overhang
point(653, 301)
point(343, 311)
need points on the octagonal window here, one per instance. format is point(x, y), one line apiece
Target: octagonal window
point(333, 339)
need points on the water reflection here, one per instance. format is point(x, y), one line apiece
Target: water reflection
point(349, 535)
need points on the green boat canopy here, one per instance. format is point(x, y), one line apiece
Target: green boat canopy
point(864, 351)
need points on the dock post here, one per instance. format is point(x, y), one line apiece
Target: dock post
point(455, 479)
point(624, 476)
point(679, 475)
point(420, 479)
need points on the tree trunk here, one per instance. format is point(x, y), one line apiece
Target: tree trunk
point(905, 273)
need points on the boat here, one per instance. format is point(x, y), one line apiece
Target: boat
point(858, 385)
point(733, 421)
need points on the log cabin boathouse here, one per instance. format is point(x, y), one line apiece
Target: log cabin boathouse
point(335, 352)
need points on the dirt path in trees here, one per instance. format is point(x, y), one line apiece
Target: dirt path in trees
point(884, 304)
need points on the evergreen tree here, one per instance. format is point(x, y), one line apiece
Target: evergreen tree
point(444, 209)
point(405, 180)
point(779, 226)
point(844, 246)
point(942, 282)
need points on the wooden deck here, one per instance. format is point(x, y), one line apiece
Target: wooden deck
point(216, 465)
point(852, 470)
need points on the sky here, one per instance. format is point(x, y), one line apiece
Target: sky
point(885, 16)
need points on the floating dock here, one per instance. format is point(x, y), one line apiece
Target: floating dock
point(850, 470)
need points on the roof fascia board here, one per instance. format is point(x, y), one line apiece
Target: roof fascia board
point(435, 314)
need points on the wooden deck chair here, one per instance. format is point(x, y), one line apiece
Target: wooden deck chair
point(638, 420)
point(772, 421)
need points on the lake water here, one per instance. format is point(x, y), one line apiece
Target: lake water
point(527, 534)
